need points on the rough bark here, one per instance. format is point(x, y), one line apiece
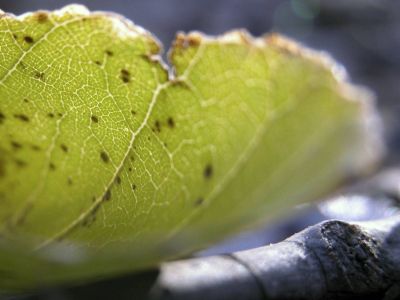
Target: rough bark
point(330, 260)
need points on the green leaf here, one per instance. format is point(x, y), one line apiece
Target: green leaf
point(110, 161)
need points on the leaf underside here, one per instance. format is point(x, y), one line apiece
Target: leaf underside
point(110, 161)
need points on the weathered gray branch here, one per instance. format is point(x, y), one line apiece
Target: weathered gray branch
point(330, 260)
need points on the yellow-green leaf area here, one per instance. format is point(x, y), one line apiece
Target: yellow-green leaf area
point(107, 152)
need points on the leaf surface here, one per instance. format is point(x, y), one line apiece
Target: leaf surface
point(111, 161)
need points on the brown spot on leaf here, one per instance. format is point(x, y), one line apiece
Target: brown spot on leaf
point(199, 201)
point(64, 148)
point(171, 122)
point(118, 180)
point(50, 115)
point(94, 119)
point(28, 39)
point(22, 117)
point(42, 17)
point(97, 62)
point(22, 65)
point(16, 145)
point(178, 82)
point(20, 163)
point(69, 181)
point(153, 59)
point(26, 100)
point(91, 218)
point(194, 40)
point(181, 41)
point(2, 117)
point(107, 195)
point(2, 169)
point(133, 112)
point(133, 186)
point(39, 75)
point(104, 157)
point(157, 125)
point(125, 76)
point(52, 166)
point(35, 148)
point(109, 52)
point(208, 171)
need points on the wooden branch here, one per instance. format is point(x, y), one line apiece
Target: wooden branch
point(330, 260)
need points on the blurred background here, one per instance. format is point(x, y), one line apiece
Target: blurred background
point(363, 35)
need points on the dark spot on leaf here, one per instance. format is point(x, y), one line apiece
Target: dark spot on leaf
point(20, 163)
point(130, 169)
point(26, 100)
point(150, 58)
point(109, 52)
point(125, 75)
point(50, 115)
point(69, 181)
point(94, 119)
point(64, 148)
point(133, 186)
point(199, 201)
point(180, 83)
point(35, 148)
point(157, 125)
point(107, 195)
point(28, 39)
point(91, 217)
point(59, 114)
point(132, 158)
point(22, 65)
point(22, 117)
point(15, 36)
point(133, 112)
point(39, 75)
point(171, 122)
point(118, 180)
point(42, 17)
point(208, 171)
point(2, 171)
point(52, 166)
point(104, 157)
point(193, 40)
point(97, 62)
point(16, 145)
point(2, 117)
